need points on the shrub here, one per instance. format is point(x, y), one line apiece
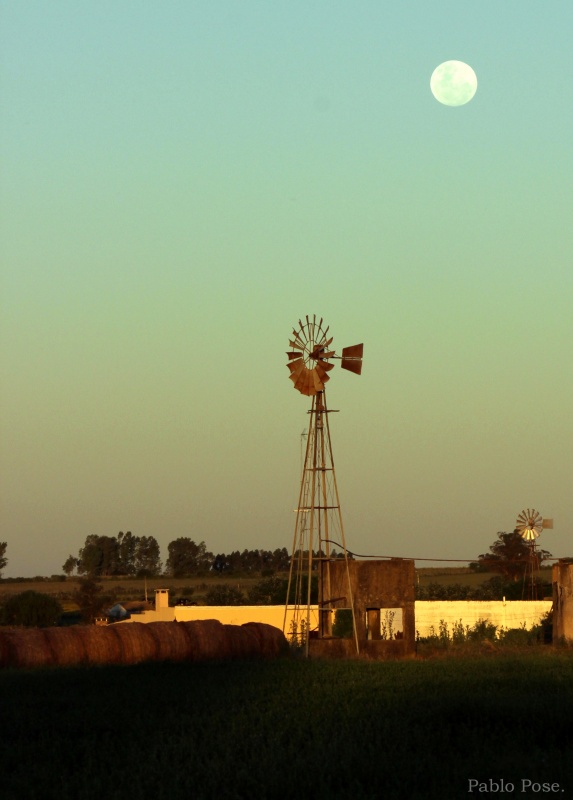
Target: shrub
point(269, 592)
point(224, 595)
point(342, 627)
point(32, 609)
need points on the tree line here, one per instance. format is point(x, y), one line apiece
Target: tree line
point(126, 554)
point(139, 556)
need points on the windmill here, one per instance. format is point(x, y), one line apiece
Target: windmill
point(318, 515)
point(529, 525)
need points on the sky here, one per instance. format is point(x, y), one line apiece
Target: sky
point(181, 181)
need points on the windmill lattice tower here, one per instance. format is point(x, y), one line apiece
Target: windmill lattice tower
point(318, 514)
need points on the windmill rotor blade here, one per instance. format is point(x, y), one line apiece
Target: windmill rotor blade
point(310, 382)
point(521, 520)
point(322, 373)
point(296, 366)
point(298, 342)
point(529, 524)
point(530, 535)
point(318, 384)
point(330, 354)
point(301, 380)
point(294, 354)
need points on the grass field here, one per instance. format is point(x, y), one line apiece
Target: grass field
point(134, 588)
point(124, 588)
point(288, 729)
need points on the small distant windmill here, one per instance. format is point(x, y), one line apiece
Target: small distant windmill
point(318, 515)
point(529, 525)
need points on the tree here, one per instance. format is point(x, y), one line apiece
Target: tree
point(124, 554)
point(146, 559)
point(187, 558)
point(3, 559)
point(90, 599)
point(94, 556)
point(69, 565)
point(126, 549)
point(220, 563)
point(508, 555)
point(32, 609)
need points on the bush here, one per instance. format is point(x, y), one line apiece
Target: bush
point(224, 595)
point(32, 609)
point(269, 592)
point(343, 627)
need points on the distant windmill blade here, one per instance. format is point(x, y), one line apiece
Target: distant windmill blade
point(529, 535)
point(529, 524)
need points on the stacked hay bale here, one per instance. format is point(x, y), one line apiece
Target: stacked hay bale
point(172, 641)
point(204, 640)
point(66, 646)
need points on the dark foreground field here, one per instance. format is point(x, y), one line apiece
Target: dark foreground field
point(289, 729)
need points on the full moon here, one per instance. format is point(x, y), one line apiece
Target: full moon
point(453, 83)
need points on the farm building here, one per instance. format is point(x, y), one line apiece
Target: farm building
point(428, 613)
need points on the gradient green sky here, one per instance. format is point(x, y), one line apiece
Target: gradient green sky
point(181, 181)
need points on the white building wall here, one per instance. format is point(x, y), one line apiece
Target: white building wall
point(509, 614)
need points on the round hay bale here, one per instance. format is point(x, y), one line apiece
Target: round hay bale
point(207, 639)
point(26, 647)
point(136, 642)
point(242, 642)
point(171, 640)
point(4, 649)
point(272, 640)
point(101, 646)
point(66, 645)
